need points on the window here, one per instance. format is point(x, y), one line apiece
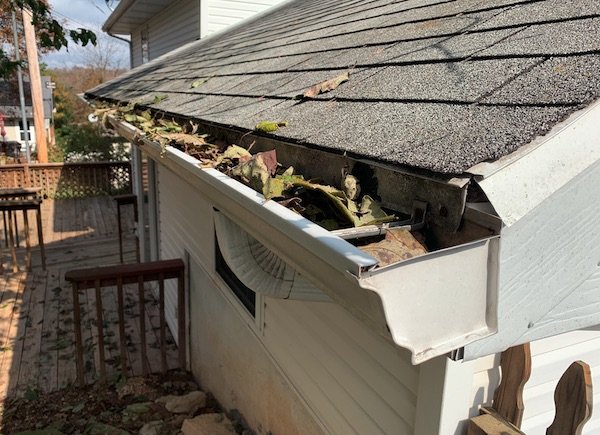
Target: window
point(245, 295)
point(22, 132)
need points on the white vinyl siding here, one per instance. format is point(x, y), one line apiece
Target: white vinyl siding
point(136, 48)
point(352, 380)
point(357, 382)
point(181, 23)
point(185, 224)
point(550, 358)
point(223, 13)
point(175, 26)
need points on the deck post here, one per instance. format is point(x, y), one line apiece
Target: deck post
point(40, 235)
point(181, 336)
point(11, 237)
point(163, 331)
point(27, 241)
point(142, 323)
point(100, 328)
point(120, 228)
point(78, 340)
point(122, 337)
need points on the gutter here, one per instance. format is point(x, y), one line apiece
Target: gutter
point(430, 305)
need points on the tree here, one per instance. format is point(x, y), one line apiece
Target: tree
point(76, 138)
point(51, 34)
point(101, 61)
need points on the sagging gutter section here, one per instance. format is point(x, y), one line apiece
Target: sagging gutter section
point(430, 305)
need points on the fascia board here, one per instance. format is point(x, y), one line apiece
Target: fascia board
point(127, 9)
point(520, 182)
point(549, 272)
point(430, 305)
point(114, 17)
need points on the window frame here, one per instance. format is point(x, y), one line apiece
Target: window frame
point(244, 295)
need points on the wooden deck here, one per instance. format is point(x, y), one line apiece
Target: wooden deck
point(36, 310)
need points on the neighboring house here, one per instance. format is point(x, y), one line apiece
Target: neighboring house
point(10, 107)
point(487, 111)
point(159, 26)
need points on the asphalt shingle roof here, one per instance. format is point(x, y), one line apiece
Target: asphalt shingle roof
point(437, 85)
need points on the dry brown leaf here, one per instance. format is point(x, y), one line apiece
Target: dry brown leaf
point(326, 86)
point(270, 159)
point(399, 244)
point(184, 139)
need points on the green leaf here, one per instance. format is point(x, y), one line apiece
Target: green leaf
point(158, 98)
point(170, 126)
point(270, 126)
point(236, 152)
point(199, 82)
point(369, 212)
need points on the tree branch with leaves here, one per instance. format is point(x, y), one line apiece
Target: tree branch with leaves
point(52, 35)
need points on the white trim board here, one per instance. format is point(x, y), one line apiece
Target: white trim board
point(549, 267)
point(518, 183)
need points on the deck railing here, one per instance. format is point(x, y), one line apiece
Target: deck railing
point(70, 180)
point(138, 273)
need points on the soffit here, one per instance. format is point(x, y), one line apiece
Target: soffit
point(129, 15)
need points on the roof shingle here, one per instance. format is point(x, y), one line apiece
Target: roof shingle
point(439, 85)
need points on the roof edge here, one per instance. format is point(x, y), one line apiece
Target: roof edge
point(116, 14)
point(521, 181)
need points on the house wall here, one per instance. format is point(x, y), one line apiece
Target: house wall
point(13, 132)
point(220, 14)
point(175, 26)
point(550, 358)
point(136, 48)
point(188, 20)
point(299, 367)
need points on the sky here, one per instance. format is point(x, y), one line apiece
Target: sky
point(89, 14)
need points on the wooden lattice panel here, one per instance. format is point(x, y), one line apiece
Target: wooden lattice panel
point(70, 180)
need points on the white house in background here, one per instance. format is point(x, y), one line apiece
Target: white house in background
point(159, 26)
point(484, 114)
point(10, 108)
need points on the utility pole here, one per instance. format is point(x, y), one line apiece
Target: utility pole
point(37, 101)
point(21, 91)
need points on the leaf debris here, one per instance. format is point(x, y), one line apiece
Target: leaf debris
point(331, 207)
point(199, 82)
point(326, 86)
point(270, 126)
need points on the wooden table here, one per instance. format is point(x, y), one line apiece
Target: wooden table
point(24, 199)
point(16, 193)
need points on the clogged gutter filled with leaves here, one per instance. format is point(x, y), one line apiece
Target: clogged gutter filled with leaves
point(331, 207)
